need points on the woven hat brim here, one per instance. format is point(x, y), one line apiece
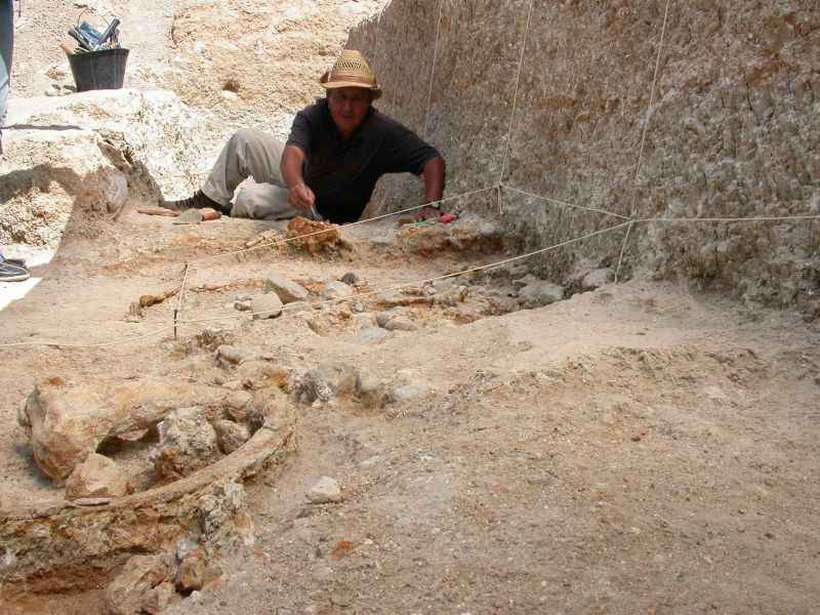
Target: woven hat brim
point(332, 85)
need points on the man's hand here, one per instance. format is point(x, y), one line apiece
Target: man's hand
point(302, 197)
point(427, 212)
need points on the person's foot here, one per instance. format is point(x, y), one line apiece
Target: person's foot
point(198, 201)
point(12, 270)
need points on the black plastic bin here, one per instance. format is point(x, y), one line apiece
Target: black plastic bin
point(99, 70)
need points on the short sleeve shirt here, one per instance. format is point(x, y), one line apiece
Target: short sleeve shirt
point(343, 174)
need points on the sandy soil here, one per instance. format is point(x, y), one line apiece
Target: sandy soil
point(635, 449)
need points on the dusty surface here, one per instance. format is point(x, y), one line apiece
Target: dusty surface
point(638, 447)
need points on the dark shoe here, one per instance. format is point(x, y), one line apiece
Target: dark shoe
point(198, 201)
point(12, 272)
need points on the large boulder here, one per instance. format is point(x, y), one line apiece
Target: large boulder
point(110, 145)
point(65, 422)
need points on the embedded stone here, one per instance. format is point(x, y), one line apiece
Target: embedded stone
point(325, 491)
point(230, 436)
point(187, 443)
point(287, 290)
point(337, 290)
point(96, 477)
point(266, 306)
point(540, 293)
point(134, 588)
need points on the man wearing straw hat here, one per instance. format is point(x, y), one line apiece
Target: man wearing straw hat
point(337, 150)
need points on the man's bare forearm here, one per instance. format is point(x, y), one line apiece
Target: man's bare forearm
point(293, 159)
point(433, 178)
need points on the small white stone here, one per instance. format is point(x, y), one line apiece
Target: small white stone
point(326, 490)
point(337, 290)
point(266, 306)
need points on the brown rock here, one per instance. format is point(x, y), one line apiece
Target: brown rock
point(262, 374)
point(315, 236)
point(67, 422)
point(238, 406)
point(96, 477)
point(209, 214)
point(191, 573)
point(230, 436)
point(134, 588)
point(160, 598)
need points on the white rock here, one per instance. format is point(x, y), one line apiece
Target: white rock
point(103, 152)
point(187, 443)
point(597, 278)
point(325, 490)
point(537, 294)
point(337, 290)
point(325, 382)
point(265, 306)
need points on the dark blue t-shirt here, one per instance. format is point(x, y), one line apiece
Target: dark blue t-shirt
point(343, 174)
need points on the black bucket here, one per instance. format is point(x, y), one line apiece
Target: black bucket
point(98, 70)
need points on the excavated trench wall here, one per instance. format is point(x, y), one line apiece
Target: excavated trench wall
point(733, 130)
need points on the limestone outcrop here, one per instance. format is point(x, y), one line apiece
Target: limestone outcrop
point(87, 154)
point(731, 130)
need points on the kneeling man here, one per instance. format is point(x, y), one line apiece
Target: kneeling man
point(337, 150)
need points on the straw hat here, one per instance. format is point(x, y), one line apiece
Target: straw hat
point(351, 70)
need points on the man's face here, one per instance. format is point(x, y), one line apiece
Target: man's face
point(348, 108)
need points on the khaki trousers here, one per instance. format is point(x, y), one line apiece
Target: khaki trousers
point(252, 153)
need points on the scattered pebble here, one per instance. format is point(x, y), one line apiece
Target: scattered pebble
point(266, 306)
point(337, 290)
point(326, 490)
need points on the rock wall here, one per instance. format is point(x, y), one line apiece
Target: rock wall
point(76, 159)
point(733, 130)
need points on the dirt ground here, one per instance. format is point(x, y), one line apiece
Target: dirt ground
point(643, 448)
point(640, 448)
